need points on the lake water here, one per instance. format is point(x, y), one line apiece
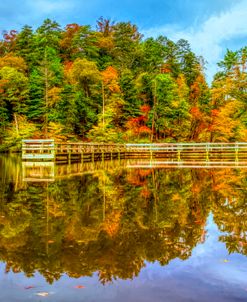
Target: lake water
point(111, 231)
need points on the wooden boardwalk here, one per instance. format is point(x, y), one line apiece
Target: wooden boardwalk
point(181, 153)
point(49, 150)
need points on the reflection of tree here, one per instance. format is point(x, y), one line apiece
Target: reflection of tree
point(230, 209)
point(113, 221)
point(10, 177)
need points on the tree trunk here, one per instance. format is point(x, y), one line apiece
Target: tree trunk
point(154, 110)
point(16, 124)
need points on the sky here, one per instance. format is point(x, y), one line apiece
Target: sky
point(210, 26)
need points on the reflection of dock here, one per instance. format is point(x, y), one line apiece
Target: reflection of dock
point(38, 171)
point(152, 164)
point(50, 171)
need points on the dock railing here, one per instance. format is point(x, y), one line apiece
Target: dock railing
point(35, 149)
point(48, 149)
point(233, 151)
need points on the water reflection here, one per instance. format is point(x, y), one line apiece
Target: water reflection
point(111, 220)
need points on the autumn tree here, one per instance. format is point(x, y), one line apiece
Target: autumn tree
point(170, 112)
point(109, 121)
point(14, 95)
point(229, 98)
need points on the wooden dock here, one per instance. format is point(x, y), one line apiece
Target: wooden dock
point(49, 150)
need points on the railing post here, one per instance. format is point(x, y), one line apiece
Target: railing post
point(93, 154)
point(207, 152)
point(179, 149)
point(236, 152)
point(119, 150)
point(111, 152)
point(23, 147)
point(53, 151)
point(69, 154)
point(103, 154)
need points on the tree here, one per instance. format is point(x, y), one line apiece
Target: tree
point(13, 61)
point(170, 112)
point(109, 120)
point(229, 98)
point(14, 86)
point(48, 35)
point(154, 54)
point(25, 46)
point(45, 82)
point(189, 63)
point(84, 41)
point(68, 47)
point(9, 42)
point(85, 74)
point(127, 51)
point(84, 79)
point(129, 89)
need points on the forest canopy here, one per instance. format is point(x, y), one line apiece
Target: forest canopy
point(110, 84)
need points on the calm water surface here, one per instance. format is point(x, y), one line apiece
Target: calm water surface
point(111, 232)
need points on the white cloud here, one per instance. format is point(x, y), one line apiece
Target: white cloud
point(207, 39)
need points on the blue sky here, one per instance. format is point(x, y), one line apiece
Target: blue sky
point(210, 26)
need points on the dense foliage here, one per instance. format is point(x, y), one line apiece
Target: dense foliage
point(110, 84)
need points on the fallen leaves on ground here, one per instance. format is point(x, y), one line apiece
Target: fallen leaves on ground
point(79, 286)
point(42, 294)
point(29, 287)
point(225, 260)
